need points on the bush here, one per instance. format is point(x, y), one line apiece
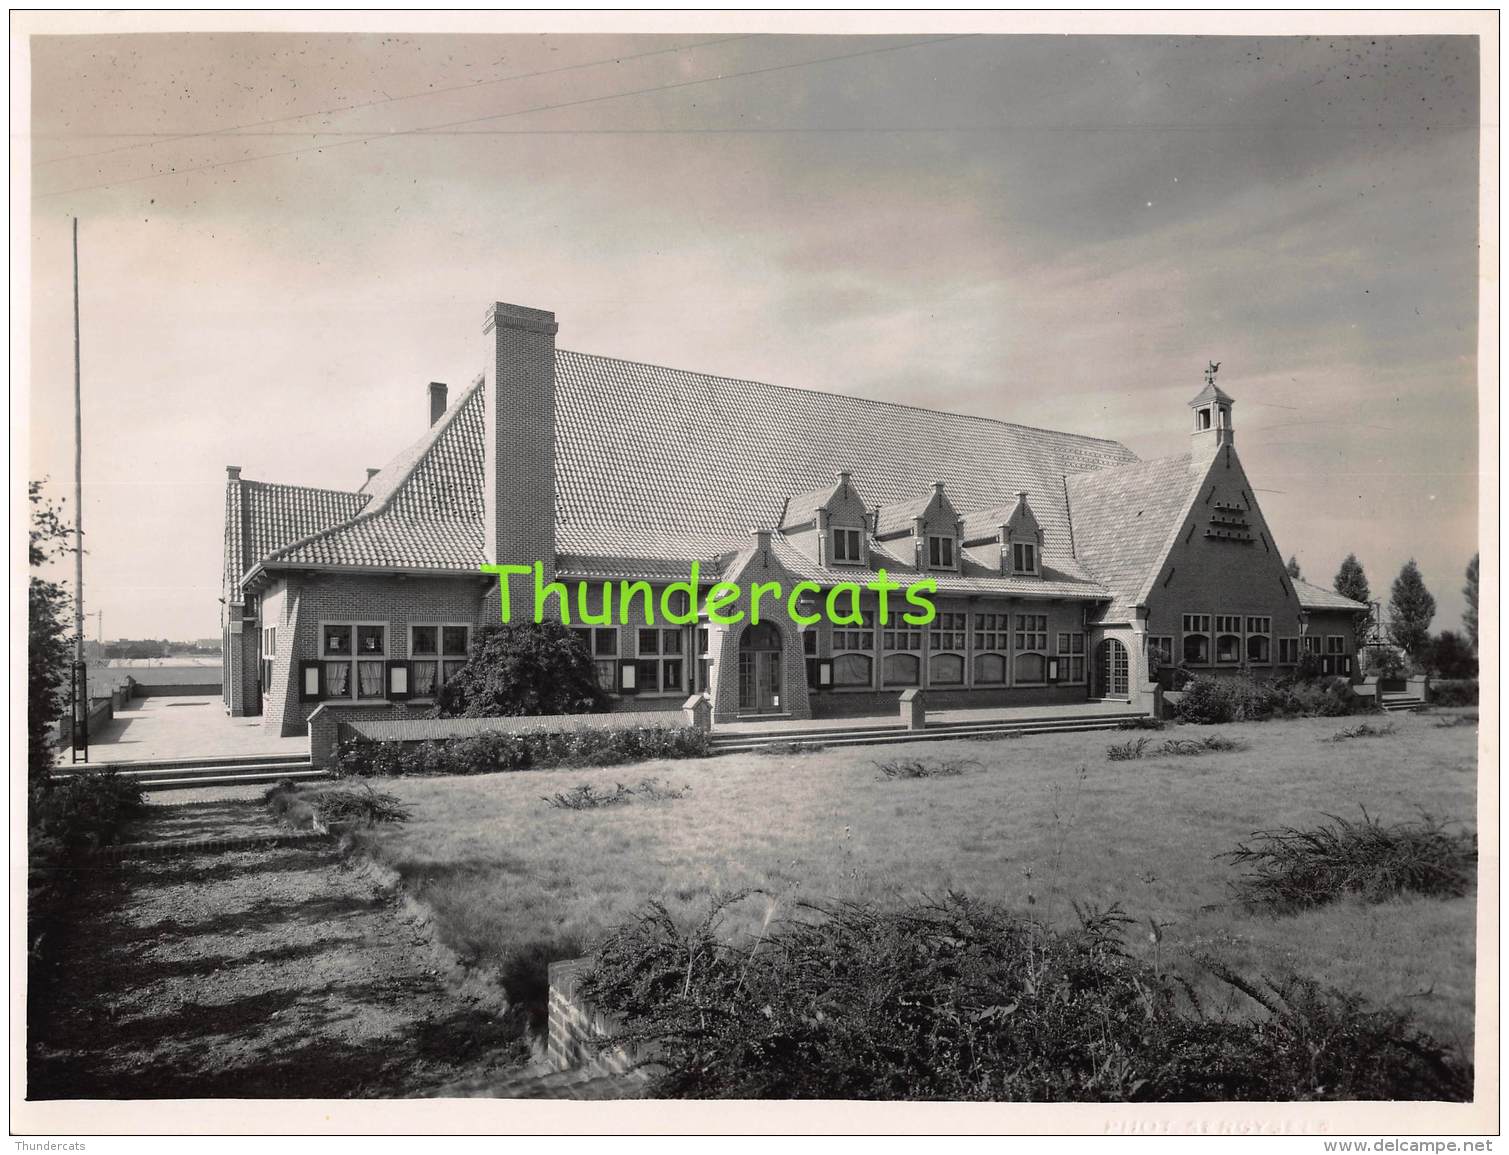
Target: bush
point(495, 751)
point(923, 767)
point(1384, 662)
point(961, 1000)
point(1453, 693)
point(1361, 730)
point(1209, 701)
point(530, 668)
point(1128, 751)
point(364, 807)
point(1143, 723)
point(83, 812)
point(589, 797)
point(1292, 869)
point(1210, 743)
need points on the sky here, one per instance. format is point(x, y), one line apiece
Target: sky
point(284, 237)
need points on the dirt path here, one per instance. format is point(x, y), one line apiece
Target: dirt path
point(287, 972)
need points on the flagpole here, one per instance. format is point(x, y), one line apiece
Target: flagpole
point(80, 671)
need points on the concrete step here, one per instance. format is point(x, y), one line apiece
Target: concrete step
point(818, 730)
point(216, 760)
point(849, 738)
point(216, 770)
point(1403, 703)
point(244, 779)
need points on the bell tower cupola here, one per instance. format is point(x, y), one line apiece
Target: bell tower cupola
point(1212, 414)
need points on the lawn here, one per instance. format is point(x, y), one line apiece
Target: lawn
point(1038, 822)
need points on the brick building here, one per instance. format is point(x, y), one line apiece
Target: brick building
point(1066, 568)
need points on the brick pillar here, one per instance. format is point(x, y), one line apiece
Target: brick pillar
point(518, 491)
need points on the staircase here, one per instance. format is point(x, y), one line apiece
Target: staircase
point(879, 734)
point(197, 773)
point(1402, 701)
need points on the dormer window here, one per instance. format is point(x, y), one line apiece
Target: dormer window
point(940, 552)
point(846, 546)
point(1023, 557)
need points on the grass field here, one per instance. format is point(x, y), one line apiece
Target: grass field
point(1038, 822)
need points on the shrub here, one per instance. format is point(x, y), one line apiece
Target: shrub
point(1191, 746)
point(1290, 869)
point(1468, 719)
point(365, 807)
point(1127, 751)
point(961, 1000)
point(1211, 701)
point(1144, 723)
point(588, 797)
point(1457, 693)
point(1384, 662)
point(923, 767)
point(529, 668)
point(83, 812)
point(1361, 730)
point(495, 751)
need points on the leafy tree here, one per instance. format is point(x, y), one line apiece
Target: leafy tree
point(1470, 592)
point(1411, 609)
point(1293, 567)
point(48, 641)
point(1352, 583)
point(523, 668)
point(1449, 655)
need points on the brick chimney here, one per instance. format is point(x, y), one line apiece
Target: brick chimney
point(518, 491)
point(437, 401)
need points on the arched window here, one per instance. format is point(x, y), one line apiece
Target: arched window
point(990, 669)
point(851, 670)
point(902, 670)
point(947, 670)
point(1031, 668)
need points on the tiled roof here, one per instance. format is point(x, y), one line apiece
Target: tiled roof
point(424, 509)
point(1320, 598)
point(803, 508)
point(652, 461)
point(262, 517)
point(978, 573)
point(1124, 521)
point(655, 463)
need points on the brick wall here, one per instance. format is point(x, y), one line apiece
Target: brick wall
point(518, 489)
point(573, 1025)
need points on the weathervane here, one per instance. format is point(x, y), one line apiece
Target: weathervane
point(1210, 372)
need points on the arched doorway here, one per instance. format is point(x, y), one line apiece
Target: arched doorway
point(1112, 679)
point(760, 669)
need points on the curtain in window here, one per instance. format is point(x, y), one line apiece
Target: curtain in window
point(948, 670)
point(902, 670)
point(424, 679)
point(369, 679)
point(851, 670)
point(1031, 668)
point(337, 679)
point(990, 669)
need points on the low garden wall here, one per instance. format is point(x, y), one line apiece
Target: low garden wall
point(329, 726)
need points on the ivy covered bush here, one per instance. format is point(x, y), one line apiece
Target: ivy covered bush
point(493, 752)
point(529, 668)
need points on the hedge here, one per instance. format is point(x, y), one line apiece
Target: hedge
point(497, 751)
point(1214, 700)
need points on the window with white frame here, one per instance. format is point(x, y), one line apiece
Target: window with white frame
point(602, 645)
point(1024, 557)
point(1336, 644)
point(1160, 651)
point(660, 664)
point(853, 647)
point(1260, 640)
point(946, 639)
point(1228, 637)
point(1288, 651)
point(437, 650)
point(269, 648)
point(846, 545)
point(1071, 657)
point(940, 552)
point(901, 663)
point(353, 659)
point(992, 645)
point(1030, 665)
point(1310, 643)
point(1196, 629)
